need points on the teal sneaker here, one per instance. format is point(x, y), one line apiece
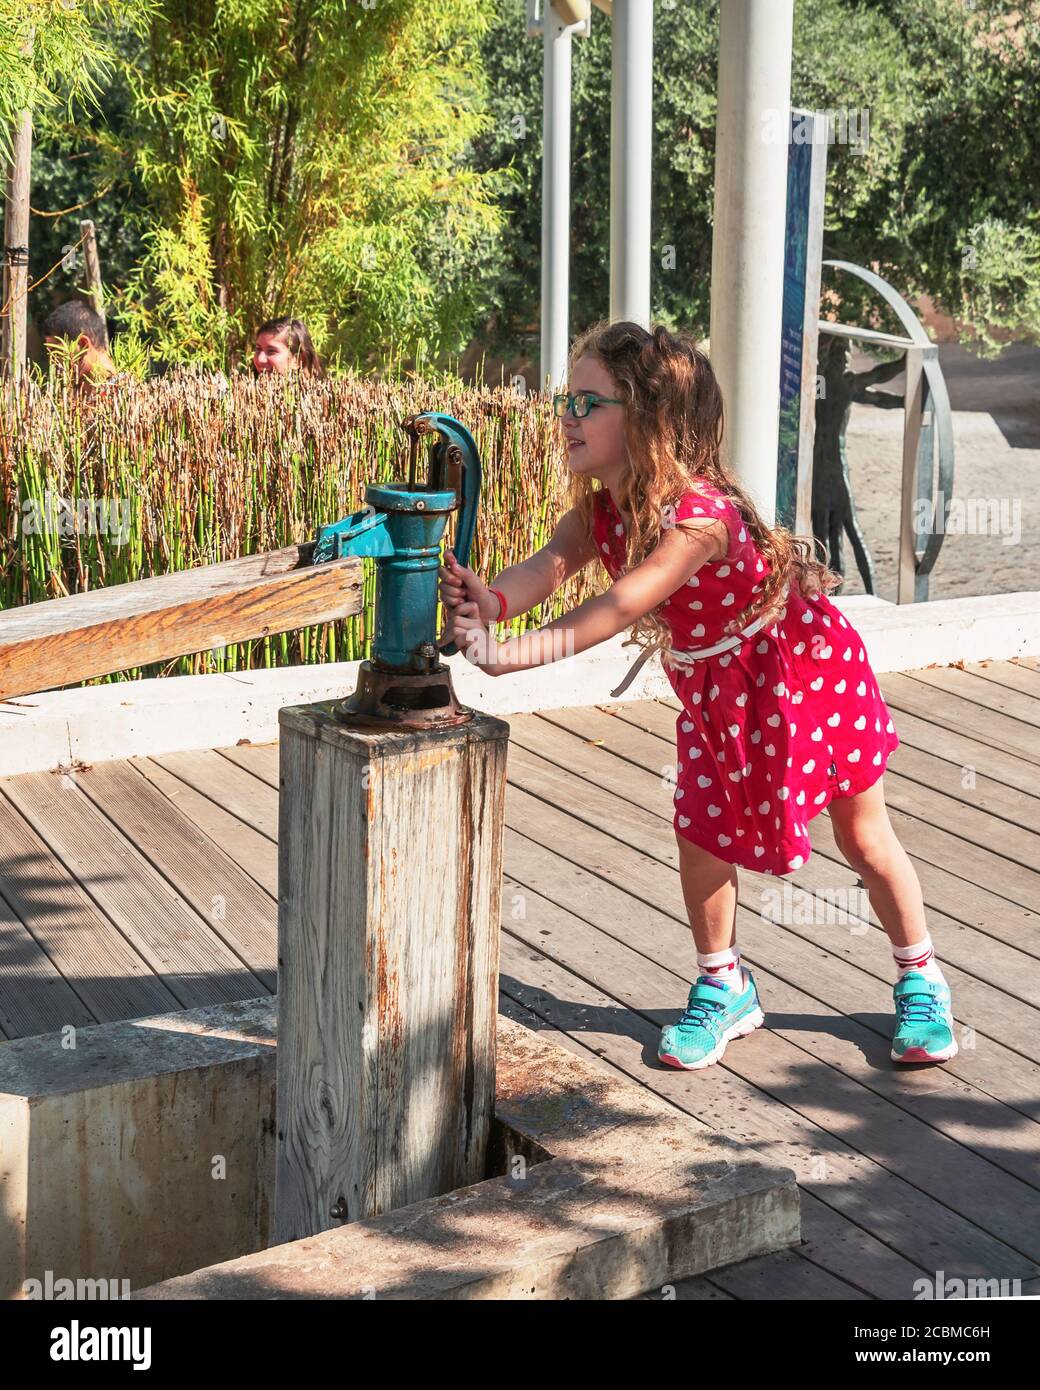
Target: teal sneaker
point(924, 1021)
point(714, 1015)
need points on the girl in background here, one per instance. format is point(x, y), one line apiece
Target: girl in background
point(284, 345)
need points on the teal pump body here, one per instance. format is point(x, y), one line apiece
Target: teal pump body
point(402, 527)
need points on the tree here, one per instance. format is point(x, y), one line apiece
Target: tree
point(308, 157)
point(54, 59)
point(941, 193)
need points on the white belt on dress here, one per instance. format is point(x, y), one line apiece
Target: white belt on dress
point(680, 658)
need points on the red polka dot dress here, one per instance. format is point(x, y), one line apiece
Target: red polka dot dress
point(773, 729)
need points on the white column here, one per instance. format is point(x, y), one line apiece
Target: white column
point(556, 196)
point(631, 149)
point(747, 261)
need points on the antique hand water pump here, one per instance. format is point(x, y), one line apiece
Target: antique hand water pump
point(404, 685)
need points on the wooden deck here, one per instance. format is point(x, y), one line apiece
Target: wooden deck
point(139, 887)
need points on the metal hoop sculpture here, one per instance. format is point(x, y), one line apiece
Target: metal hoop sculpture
point(927, 402)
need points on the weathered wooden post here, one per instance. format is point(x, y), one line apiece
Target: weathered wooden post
point(390, 871)
point(389, 884)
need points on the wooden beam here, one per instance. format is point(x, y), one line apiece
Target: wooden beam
point(61, 641)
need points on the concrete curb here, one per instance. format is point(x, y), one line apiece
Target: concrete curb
point(141, 718)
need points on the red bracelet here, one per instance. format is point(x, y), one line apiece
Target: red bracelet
point(501, 604)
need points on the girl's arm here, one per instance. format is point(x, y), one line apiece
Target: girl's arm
point(679, 554)
point(535, 579)
point(525, 585)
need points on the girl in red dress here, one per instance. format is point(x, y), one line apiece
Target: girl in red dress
point(781, 713)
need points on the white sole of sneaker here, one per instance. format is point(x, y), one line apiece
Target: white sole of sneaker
point(747, 1025)
point(918, 1054)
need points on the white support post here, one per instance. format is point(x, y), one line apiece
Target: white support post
point(631, 151)
point(556, 194)
point(747, 264)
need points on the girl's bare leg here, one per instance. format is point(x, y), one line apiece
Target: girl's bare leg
point(865, 836)
point(709, 887)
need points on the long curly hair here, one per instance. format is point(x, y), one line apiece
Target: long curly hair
point(673, 436)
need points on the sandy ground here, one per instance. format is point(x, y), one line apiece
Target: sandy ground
point(985, 467)
point(996, 417)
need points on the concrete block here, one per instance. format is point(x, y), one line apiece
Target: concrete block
point(131, 1151)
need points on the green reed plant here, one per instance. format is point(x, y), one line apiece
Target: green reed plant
point(146, 478)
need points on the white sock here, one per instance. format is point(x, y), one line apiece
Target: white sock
point(920, 957)
point(724, 966)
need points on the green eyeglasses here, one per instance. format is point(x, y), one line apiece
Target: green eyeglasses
point(581, 402)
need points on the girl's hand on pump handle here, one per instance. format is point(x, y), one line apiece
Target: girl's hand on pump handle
point(460, 584)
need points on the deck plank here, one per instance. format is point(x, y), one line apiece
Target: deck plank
point(170, 937)
point(106, 973)
point(229, 787)
point(253, 852)
point(259, 759)
point(949, 711)
point(243, 916)
point(34, 997)
point(988, 695)
point(1009, 673)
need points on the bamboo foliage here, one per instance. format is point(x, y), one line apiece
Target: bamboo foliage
point(308, 157)
point(102, 488)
